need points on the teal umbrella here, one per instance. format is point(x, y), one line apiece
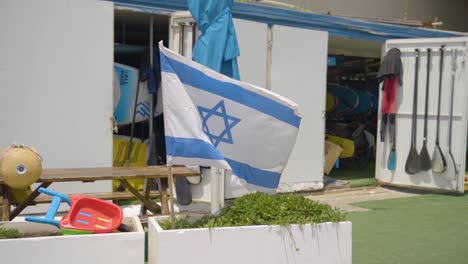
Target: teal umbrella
point(217, 46)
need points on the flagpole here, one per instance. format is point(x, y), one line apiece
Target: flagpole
point(171, 194)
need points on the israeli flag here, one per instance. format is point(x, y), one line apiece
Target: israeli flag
point(213, 120)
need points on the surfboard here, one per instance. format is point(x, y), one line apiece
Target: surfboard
point(127, 80)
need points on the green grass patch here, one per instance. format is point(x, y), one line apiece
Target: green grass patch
point(363, 182)
point(6, 233)
point(356, 177)
point(264, 209)
point(134, 201)
point(427, 229)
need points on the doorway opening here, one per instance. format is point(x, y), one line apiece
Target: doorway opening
point(352, 111)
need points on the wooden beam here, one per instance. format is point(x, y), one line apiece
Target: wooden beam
point(164, 203)
point(111, 173)
point(94, 174)
point(18, 209)
point(117, 196)
point(171, 195)
point(147, 189)
point(153, 207)
point(5, 191)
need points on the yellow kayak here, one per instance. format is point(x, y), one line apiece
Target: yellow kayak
point(346, 144)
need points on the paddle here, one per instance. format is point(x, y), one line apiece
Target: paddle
point(424, 158)
point(412, 165)
point(439, 164)
point(452, 91)
point(391, 163)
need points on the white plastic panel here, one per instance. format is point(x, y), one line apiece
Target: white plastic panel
point(404, 111)
point(56, 71)
point(299, 72)
point(252, 39)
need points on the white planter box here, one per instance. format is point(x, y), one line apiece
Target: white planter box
point(115, 248)
point(321, 243)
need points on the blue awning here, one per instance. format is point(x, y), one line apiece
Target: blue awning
point(338, 26)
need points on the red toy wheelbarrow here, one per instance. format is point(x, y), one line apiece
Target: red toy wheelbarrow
point(87, 214)
point(93, 215)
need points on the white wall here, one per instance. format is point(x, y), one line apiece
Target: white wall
point(56, 72)
point(299, 72)
point(252, 38)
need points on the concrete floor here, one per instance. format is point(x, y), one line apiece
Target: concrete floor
point(345, 198)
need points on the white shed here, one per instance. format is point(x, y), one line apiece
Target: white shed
point(56, 70)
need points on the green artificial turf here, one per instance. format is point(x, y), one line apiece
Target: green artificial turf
point(429, 229)
point(356, 177)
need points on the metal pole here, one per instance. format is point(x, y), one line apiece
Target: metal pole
point(269, 56)
point(132, 131)
point(452, 91)
point(181, 38)
point(146, 185)
point(151, 51)
point(194, 35)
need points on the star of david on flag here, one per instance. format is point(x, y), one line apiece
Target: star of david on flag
point(213, 120)
point(229, 122)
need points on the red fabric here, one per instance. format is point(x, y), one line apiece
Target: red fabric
point(389, 97)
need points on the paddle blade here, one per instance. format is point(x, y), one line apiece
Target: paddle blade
point(412, 162)
point(391, 163)
point(425, 162)
point(439, 164)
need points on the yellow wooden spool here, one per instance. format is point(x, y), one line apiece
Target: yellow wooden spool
point(20, 166)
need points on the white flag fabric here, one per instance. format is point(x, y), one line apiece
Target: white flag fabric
point(213, 120)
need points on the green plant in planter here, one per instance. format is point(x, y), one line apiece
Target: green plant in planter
point(180, 223)
point(6, 233)
point(264, 209)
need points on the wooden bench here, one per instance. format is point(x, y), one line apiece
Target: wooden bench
point(110, 196)
point(114, 196)
point(123, 174)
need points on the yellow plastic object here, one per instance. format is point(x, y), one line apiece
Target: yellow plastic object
point(330, 102)
point(346, 144)
point(20, 166)
point(19, 195)
point(137, 158)
point(332, 153)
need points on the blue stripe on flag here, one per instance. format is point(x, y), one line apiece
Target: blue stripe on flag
point(196, 148)
point(191, 148)
point(255, 176)
point(195, 78)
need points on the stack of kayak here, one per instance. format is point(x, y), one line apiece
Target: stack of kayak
point(357, 142)
point(346, 101)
